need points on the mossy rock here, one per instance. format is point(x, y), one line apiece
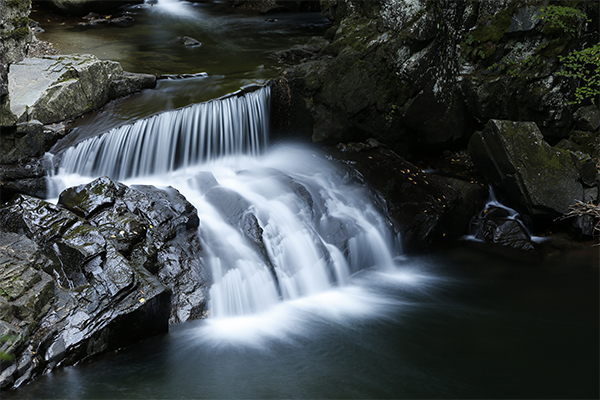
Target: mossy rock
point(539, 179)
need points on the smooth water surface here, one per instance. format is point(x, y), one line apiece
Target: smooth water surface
point(457, 324)
point(238, 49)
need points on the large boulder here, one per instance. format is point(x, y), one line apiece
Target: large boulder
point(423, 74)
point(54, 88)
point(540, 180)
point(155, 227)
point(88, 297)
point(427, 208)
point(95, 272)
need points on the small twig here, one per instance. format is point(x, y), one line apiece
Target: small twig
point(580, 209)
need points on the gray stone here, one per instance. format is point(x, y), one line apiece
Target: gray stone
point(190, 42)
point(587, 118)
point(525, 19)
point(55, 88)
point(514, 156)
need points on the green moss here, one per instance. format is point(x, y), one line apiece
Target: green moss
point(495, 29)
point(17, 34)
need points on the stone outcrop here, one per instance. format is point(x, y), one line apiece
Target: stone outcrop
point(422, 74)
point(539, 179)
point(95, 272)
point(428, 208)
point(54, 88)
point(14, 37)
point(42, 93)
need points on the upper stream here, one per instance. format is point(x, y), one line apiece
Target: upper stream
point(328, 306)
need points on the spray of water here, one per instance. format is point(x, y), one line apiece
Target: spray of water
point(279, 226)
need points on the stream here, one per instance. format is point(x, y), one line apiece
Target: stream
point(337, 310)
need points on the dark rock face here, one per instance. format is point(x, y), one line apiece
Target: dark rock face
point(539, 179)
point(156, 228)
point(428, 208)
point(95, 273)
point(425, 73)
point(496, 225)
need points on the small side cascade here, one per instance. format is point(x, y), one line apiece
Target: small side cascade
point(498, 223)
point(175, 139)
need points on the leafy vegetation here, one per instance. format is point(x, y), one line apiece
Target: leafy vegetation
point(563, 18)
point(8, 339)
point(585, 65)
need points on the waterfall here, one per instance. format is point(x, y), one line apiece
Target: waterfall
point(173, 7)
point(175, 139)
point(277, 224)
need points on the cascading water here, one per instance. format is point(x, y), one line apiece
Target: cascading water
point(174, 7)
point(275, 226)
point(171, 140)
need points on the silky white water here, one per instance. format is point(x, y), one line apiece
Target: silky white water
point(278, 224)
point(177, 8)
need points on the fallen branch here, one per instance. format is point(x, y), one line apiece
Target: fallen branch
point(580, 209)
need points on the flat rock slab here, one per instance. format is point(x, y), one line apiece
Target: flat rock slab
point(55, 88)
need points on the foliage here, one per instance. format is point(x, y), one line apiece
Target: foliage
point(7, 338)
point(562, 17)
point(585, 65)
point(390, 114)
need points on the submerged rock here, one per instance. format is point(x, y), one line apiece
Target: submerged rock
point(496, 225)
point(190, 42)
point(514, 156)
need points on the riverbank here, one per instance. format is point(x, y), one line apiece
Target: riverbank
point(429, 185)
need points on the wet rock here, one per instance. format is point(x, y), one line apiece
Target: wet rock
point(86, 200)
point(79, 291)
point(203, 182)
point(190, 42)
point(236, 210)
point(587, 118)
point(427, 208)
point(539, 179)
point(496, 225)
point(153, 228)
point(28, 176)
point(124, 20)
point(55, 88)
